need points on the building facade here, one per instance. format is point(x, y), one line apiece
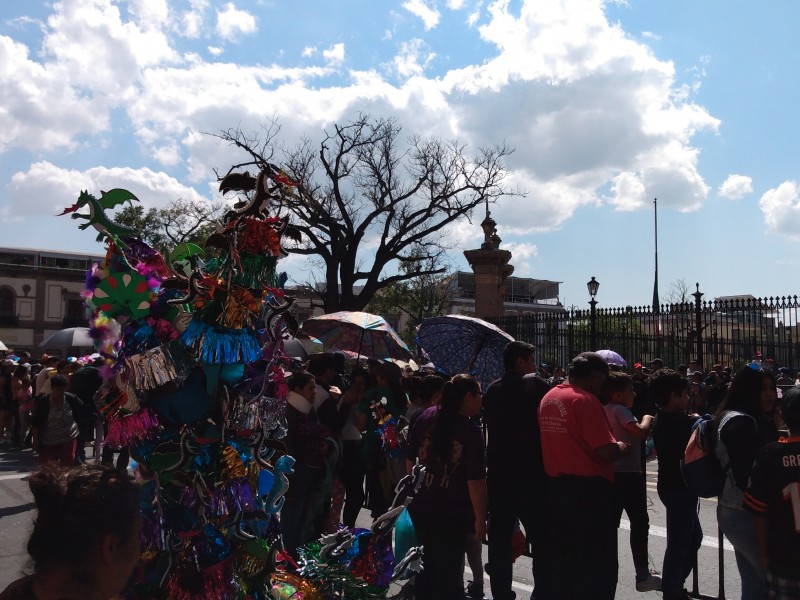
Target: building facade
point(40, 293)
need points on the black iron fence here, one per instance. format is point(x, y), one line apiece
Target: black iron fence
point(729, 331)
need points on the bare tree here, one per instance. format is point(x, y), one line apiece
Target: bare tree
point(364, 198)
point(181, 221)
point(679, 292)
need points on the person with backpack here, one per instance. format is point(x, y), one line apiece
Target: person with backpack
point(773, 497)
point(740, 436)
point(672, 428)
point(55, 430)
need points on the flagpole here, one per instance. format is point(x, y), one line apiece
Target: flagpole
point(656, 304)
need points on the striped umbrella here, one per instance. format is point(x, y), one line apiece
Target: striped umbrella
point(363, 333)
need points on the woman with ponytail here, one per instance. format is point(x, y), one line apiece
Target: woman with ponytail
point(450, 507)
point(85, 539)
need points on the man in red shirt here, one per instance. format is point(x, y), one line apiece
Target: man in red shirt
point(579, 451)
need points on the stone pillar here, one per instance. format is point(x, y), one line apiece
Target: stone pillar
point(491, 268)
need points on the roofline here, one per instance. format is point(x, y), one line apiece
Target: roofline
point(46, 251)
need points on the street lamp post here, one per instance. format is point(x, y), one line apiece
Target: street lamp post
point(715, 340)
point(592, 286)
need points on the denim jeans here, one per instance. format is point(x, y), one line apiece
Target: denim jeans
point(684, 536)
point(739, 527)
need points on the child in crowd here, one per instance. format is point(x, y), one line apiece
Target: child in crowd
point(630, 490)
point(773, 496)
point(672, 427)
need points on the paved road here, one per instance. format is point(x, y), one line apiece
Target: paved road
point(16, 515)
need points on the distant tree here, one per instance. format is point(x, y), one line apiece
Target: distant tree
point(366, 201)
point(426, 295)
point(679, 292)
point(181, 221)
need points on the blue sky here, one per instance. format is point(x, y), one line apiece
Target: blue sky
point(608, 105)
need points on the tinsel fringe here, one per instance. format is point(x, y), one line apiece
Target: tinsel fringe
point(221, 346)
point(131, 428)
point(212, 582)
point(234, 497)
point(255, 273)
point(166, 364)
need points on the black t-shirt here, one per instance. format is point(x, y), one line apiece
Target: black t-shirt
point(510, 412)
point(444, 493)
point(671, 433)
point(774, 493)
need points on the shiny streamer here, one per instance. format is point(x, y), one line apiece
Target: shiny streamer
point(236, 496)
point(221, 346)
point(286, 586)
point(245, 415)
point(233, 466)
point(138, 426)
point(157, 367)
point(259, 237)
point(215, 582)
point(241, 309)
point(255, 272)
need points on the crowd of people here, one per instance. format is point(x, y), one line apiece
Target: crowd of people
point(562, 455)
point(50, 405)
point(559, 455)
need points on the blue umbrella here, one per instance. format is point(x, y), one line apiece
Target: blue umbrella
point(461, 344)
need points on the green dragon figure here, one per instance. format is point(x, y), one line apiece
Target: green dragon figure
point(97, 217)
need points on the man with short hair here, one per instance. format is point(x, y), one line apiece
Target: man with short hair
point(578, 452)
point(517, 484)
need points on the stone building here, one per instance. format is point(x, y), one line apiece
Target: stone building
point(40, 293)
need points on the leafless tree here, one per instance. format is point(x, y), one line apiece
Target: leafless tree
point(365, 198)
point(679, 292)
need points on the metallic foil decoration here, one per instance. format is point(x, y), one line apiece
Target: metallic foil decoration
point(151, 369)
point(285, 586)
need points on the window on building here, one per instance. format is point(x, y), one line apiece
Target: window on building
point(7, 306)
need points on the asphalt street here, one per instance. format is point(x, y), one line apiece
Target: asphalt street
point(17, 513)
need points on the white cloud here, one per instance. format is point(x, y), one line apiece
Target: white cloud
point(649, 35)
point(455, 4)
point(430, 16)
point(47, 189)
point(523, 255)
point(31, 117)
point(233, 23)
point(736, 186)
point(628, 191)
point(308, 51)
point(594, 116)
point(215, 50)
point(412, 59)
point(150, 13)
point(781, 208)
point(334, 55)
point(193, 20)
